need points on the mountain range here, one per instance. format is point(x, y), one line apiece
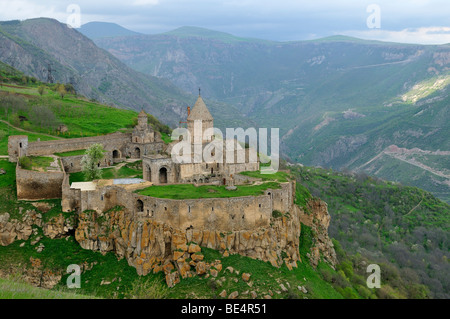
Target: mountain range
point(342, 103)
point(34, 46)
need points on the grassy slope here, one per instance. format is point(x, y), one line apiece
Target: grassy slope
point(81, 116)
point(12, 288)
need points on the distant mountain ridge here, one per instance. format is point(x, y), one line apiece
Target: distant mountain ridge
point(95, 30)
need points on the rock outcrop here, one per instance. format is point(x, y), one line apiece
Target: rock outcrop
point(151, 246)
point(14, 229)
point(319, 219)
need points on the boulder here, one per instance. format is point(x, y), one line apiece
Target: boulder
point(233, 295)
point(246, 277)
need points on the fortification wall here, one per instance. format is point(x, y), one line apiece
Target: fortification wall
point(283, 198)
point(221, 214)
point(71, 198)
point(224, 214)
point(33, 185)
point(72, 164)
point(17, 147)
point(110, 142)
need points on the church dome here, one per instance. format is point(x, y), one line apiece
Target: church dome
point(200, 111)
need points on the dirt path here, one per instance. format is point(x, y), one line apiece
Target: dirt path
point(414, 208)
point(31, 132)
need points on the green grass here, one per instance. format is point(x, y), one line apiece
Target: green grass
point(36, 162)
point(6, 131)
point(109, 173)
point(15, 288)
point(278, 176)
point(71, 153)
point(264, 277)
point(8, 179)
point(166, 138)
point(82, 117)
point(189, 191)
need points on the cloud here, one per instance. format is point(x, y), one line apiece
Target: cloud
point(282, 20)
point(145, 2)
point(425, 35)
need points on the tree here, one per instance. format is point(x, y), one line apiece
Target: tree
point(61, 90)
point(41, 90)
point(91, 160)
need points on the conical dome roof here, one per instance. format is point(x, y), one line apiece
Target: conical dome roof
point(142, 114)
point(200, 111)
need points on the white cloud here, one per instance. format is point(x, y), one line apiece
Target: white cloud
point(426, 35)
point(145, 2)
point(22, 9)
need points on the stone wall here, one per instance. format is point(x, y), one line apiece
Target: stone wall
point(115, 141)
point(17, 147)
point(221, 214)
point(71, 198)
point(33, 185)
point(72, 164)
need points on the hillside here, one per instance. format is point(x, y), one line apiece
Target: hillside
point(404, 228)
point(32, 45)
point(339, 102)
point(30, 107)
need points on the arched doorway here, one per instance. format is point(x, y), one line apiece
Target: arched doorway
point(116, 154)
point(139, 206)
point(163, 175)
point(137, 152)
point(149, 173)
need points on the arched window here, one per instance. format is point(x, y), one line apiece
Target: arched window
point(139, 206)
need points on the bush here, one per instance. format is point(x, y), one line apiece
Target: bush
point(276, 214)
point(364, 292)
point(326, 275)
point(148, 290)
point(25, 162)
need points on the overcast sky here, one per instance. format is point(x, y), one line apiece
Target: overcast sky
point(411, 21)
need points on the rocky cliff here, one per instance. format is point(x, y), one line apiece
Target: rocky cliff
point(150, 246)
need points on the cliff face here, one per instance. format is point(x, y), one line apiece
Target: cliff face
point(319, 219)
point(151, 246)
point(148, 245)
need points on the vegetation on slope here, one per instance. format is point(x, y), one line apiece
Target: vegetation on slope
point(403, 228)
point(40, 115)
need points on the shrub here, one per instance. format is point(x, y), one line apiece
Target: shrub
point(148, 290)
point(276, 214)
point(25, 162)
